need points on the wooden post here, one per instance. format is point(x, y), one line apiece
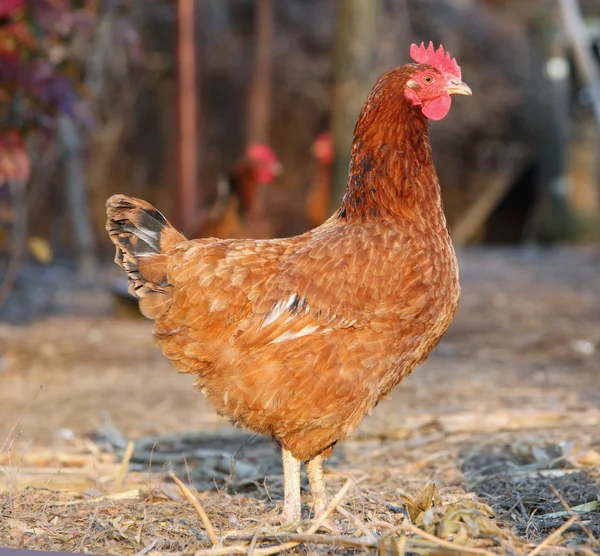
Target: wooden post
point(187, 194)
point(259, 101)
point(72, 158)
point(580, 41)
point(355, 59)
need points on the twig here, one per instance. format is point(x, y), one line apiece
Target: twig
point(18, 419)
point(124, 465)
point(223, 550)
point(252, 546)
point(199, 509)
point(573, 514)
point(380, 523)
point(358, 522)
point(216, 551)
point(347, 542)
point(275, 549)
point(88, 530)
point(392, 507)
point(551, 538)
point(309, 536)
point(295, 540)
point(330, 508)
point(441, 542)
point(147, 548)
point(128, 495)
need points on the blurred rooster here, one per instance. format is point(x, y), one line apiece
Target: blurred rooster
point(299, 338)
point(239, 211)
point(318, 200)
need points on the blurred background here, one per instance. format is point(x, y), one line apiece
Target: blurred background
point(235, 118)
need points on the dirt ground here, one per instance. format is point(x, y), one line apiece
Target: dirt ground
point(505, 413)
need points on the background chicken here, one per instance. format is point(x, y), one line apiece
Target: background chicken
point(299, 338)
point(239, 209)
point(318, 200)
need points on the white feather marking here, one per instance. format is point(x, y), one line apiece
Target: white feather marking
point(291, 335)
point(273, 314)
point(218, 304)
point(278, 309)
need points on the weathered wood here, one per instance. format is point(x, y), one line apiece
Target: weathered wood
point(582, 48)
point(187, 115)
point(76, 193)
point(549, 217)
point(478, 212)
point(259, 100)
point(355, 59)
point(18, 239)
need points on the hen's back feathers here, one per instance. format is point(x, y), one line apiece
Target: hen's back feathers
point(142, 237)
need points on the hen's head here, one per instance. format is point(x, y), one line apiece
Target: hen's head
point(434, 79)
point(265, 163)
point(322, 148)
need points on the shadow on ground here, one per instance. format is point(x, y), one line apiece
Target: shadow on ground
point(536, 488)
point(224, 459)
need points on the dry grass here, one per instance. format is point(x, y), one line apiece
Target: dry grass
point(92, 501)
point(491, 448)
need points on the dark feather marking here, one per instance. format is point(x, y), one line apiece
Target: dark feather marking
point(152, 220)
point(294, 304)
point(151, 240)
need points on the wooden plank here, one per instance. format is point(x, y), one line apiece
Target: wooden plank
point(259, 101)
point(187, 194)
point(356, 46)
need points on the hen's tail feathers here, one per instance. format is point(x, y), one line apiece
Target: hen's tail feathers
point(142, 236)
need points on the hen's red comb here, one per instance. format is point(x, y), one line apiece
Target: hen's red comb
point(436, 58)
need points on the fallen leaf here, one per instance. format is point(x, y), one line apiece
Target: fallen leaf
point(581, 509)
point(589, 459)
point(426, 499)
point(40, 250)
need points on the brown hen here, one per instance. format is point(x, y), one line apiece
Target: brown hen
point(299, 338)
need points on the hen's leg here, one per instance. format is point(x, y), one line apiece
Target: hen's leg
point(314, 469)
point(291, 487)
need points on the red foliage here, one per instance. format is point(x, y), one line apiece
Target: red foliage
point(14, 162)
point(8, 7)
point(36, 82)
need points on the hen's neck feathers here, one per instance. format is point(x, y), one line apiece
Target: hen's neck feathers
point(391, 171)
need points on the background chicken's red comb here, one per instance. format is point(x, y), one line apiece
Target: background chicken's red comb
point(260, 151)
point(436, 58)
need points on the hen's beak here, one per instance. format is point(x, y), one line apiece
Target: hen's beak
point(458, 87)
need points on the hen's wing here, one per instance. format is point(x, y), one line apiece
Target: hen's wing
point(251, 294)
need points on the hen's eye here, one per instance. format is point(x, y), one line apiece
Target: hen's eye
point(428, 79)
